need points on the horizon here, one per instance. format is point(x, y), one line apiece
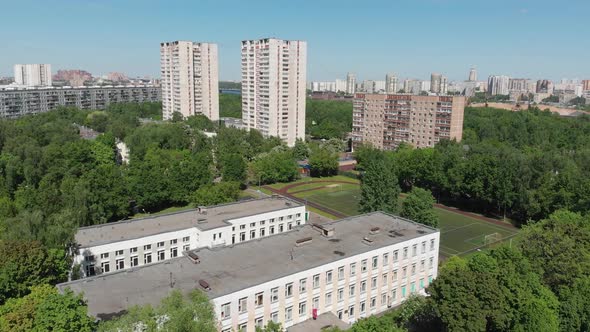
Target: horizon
point(341, 37)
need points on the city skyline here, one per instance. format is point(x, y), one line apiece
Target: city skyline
point(462, 41)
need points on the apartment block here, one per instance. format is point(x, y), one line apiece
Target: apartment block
point(498, 85)
point(32, 75)
point(127, 244)
point(18, 102)
point(346, 269)
point(385, 121)
point(273, 87)
point(190, 79)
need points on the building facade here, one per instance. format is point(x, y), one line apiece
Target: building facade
point(126, 244)
point(350, 83)
point(351, 268)
point(498, 85)
point(18, 102)
point(33, 75)
point(273, 87)
point(385, 121)
point(190, 79)
point(472, 75)
point(586, 85)
point(391, 83)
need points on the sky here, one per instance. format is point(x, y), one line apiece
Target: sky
point(412, 38)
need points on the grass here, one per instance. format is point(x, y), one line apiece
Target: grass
point(311, 180)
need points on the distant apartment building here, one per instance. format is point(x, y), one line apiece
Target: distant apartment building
point(73, 77)
point(273, 87)
point(126, 244)
point(190, 79)
point(33, 75)
point(498, 85)
point(586, 85)
point(323, 86)
point(340, 85)
point(438, 83)
point(544, 86)
point(339, 271)
point(472, 75)
point(385, 121)
point(391, 83)
point(350, 83)
point(18, 102)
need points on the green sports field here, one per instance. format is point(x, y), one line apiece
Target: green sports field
point(460, 234)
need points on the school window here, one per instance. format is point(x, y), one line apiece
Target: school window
point(160, 244)
point(120, 264)
point(259, 299)
point(288, 314)
point(186, 247)
point(422, 263)
point(289, 290)
point(329, 277)
point(373, 302)
point(262, 232)
point(351, 290)
point(242, 327)
point(385, 259)
point(226, 311)
point(328, 299)
point(147, 258)
point(252, 234)
point(243, 305)
point(104, 256)
point(252, 224)
point(363, 307)
point(134, 261)
point(405, 253)
point(421, 283)
point(271, 230)
point(242, 226)
point(302, 308)
point(262, 222)
point(394, 275)
point(424, 247)
point(412, 287)
point(375, 262)
point(173, 252)
point(431, 262)
point(242, 236)
point(404, 272)
point(133, 250)
point(384, 280)
point(119, 253)
point(432, 245)
point(280, 228)
point(341, 273)
point(302, 285)
point(340, 295)
point(173, 241)
point(383, 299)
point(395, 255)
point(274, 317)
point(373, 282)
point(363, 286)
point(414, 250)
point(259, 322)
point(161, 255)
point(315, 304)
point(414, 269)
point(351, 311)
point(339, 313)
point(274, 295)
point(147, 247)
point(403, 292)
point(186, 239)
point(352, 269)
point(363, 266)
point(316, 281)
point(393, 295)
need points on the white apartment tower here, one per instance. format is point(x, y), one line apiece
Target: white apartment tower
point(498, 85)
point(190, 82)
point(273, 87)
point(391, 83)
point(472, 74)
point(350, 83)
point(33, 74)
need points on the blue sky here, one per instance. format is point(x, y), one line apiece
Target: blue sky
point(520, 38)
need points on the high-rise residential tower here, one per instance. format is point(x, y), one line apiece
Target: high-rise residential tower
point(350, 83)
point(435, 82)
point(190, 82)
point(390, 83)
point(472, 74)
point(33, 74)
point(273, 87)
point(498, 85)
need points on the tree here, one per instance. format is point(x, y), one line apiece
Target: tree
point(190, 313)
point(214, 194)
point(379, 187)
point(419, 207)
point(271, 327)
point(323, 162)
point(200, 122)
point(301, 151)
point(233, 167)
point(24, 264)
point(44, 309)
point(273, 167)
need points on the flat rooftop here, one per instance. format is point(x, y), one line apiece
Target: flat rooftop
point(216, 216)
point(237, 267)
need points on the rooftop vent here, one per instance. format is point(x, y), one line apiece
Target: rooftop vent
point(368, 241)
point(287, 203)
point(204, 285)
point(375, 230)
point(193, 257)
point(339, 253)
point(201, 220)
point(303, 241)
point(325, 231)
point(275, 196)
point(202, 210)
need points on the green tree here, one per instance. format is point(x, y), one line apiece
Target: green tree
point(213, 194)
point(379, 186)
point(273, 167)
point(419, 207)
point(323, 162)
point(271, 327)
point(301, 151)
point(233, 167)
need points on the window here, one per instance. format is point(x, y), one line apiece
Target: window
point(243, 305)
point(147, 258)
point(298, 215)
point(373, 282)
point(302, 285)
point(352, 269)
point(242, 226)
point(341, 273)
point(262, 232)
point(281, 218)
point(262, 222)
point(161, 255)
point(394, 275)
point(316, 281)
point(421, 283)
point(289, 290)
point(351, 290)
point(405, 253)
point(120, 264)
point(384, 280)
point(383, 299)
point(290, 226)
point(186, 247)
point(414, 250)
point(134, 261)
point(373, 302)
point(288, 314)
point(119, 253)
point(363, 286)
point(328, 277)
point(89, 258)
point(414, 269)
point(280, 228)
point(274, 295)
point(403, 292)
point(259, 299)
point(186, 239)
point(340, 295)
point(363, 266)
point(173, 252)
point(272, 220)
point(395, 255)
point(225, 311)
point(160, 244)
point(242, 236)
point(147, 247)
point(252, 234)
point(385, 259)
point(252, 224)
point(302, 308)
point(173, 241)
point(394, 295)
point(90, 270)
point(351, 311)
point(431, 262)
point(328, 299)
point(259, 322)
point(315, 304)
point(274, 317)
point(422, 264)
point(412, 287)
point(363, 307)
point(339, 314)
point(271, 230)
point(404, 272)
point(432, 245)
point(104, 255)
point(429, 279)
point(242, 327)
point(375, 262)
point(424, 247)
point(214, 236)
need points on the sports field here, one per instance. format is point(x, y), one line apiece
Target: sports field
point(460, 233)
